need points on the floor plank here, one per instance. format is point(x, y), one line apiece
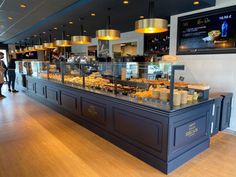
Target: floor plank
point(37, 141)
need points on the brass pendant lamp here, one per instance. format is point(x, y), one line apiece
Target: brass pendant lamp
point(49, 44)
point(39, 47)
point(63, 42)
point(108, 33)
point(81, 39)
point(26, 46)
point(19, 50)
point(151, 25)
point(26, 49)
point(31, 48)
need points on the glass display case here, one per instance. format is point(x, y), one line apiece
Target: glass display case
point(19, 67)
point(145, 83)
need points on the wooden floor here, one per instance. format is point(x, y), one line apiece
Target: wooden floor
point(35, 141)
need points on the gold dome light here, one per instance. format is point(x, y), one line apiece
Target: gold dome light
point(21, 50)
point(17, 51)
point(39, 47)
point(31, 49)
point(63, 43)
point(27, 49)
point(81, 39)
point(108, 34)
point(151, 25)
point(49, 45)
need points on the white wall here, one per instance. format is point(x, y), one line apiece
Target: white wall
point(125, 37)
point(78, 49)
point(216, 70)
point(130, 37)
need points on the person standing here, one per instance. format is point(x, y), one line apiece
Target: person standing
point(71, 59)
point(2, 70)
point(11, 74)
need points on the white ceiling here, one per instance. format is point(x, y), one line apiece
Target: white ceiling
point(36, 11)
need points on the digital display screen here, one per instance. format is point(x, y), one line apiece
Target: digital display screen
point(210, 32)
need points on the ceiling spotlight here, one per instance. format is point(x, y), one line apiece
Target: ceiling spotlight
point(125, 2)
point(55, 28)
point(23, 5)
point(10, 18)
point(44, 32)
point(196, 3)
point(93, 14)
point(141, 17)
point(71, 23)
point(85, 31)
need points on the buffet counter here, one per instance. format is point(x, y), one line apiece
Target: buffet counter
point(159, 135)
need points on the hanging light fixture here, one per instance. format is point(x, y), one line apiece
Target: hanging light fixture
point(17, 50)
point(26, 49)
point(81, 39)
point(108, 33)
point(63, 42)
point(21, 49)
point(39, 47)
point(151, 24)
point(31, 48)
point(49, 44)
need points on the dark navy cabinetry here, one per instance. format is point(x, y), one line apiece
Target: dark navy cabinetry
point(163, 138)
point(221, 111)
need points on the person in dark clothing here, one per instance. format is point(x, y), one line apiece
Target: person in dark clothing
point(2, 70)
point(5, 67)
point(5, 75)
point(11, 74)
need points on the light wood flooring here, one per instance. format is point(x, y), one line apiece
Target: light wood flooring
point(36, 141)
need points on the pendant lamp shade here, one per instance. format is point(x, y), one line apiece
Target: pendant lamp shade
point(108, 34)
point(21, 50)
point(151, 25)
point(39, 47)
point(49, 45)
point(17, 51)
point(81, 39)
point(26, 49)
point(31, 49)
point(63, 43)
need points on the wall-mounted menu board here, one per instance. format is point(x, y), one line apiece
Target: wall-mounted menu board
point(208, 33)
